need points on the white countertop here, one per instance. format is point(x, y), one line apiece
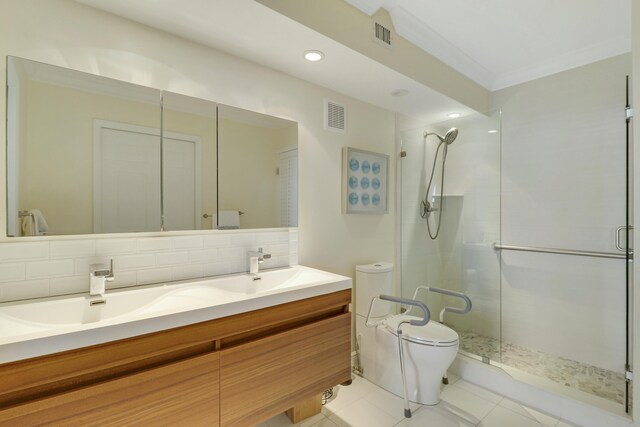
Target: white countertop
point(45, 326)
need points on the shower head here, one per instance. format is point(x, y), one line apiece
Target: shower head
point(448, 137)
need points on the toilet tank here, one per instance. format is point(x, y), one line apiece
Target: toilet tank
point(373, 280)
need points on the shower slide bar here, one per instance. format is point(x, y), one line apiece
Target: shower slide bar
point(500, 247)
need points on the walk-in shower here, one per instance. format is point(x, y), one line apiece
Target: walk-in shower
point(533, 233)
point(427, 205)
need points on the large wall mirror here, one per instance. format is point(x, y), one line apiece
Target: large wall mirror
point(88, 154)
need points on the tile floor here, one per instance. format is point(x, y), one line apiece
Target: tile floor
point(363, 404)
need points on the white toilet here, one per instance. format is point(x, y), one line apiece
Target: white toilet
point(428, 350)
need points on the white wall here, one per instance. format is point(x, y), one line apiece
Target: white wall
point(563, 186)
point(62, 32)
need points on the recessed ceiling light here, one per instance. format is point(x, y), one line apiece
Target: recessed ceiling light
point(313, 55)
point(453, 115)
point(492, 131)
point(400, 92)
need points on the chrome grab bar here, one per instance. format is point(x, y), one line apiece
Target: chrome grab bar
point(618, 245)
point(456, 310)
point(425, 319)
point(426, 313)
point(499, 247)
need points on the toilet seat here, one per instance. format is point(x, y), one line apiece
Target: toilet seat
point(432, 334)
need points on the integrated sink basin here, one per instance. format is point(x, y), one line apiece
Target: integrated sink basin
point(61, 323)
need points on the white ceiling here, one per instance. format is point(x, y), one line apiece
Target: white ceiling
point(250, 30)
point(499, 43)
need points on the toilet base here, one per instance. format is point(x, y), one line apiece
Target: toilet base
point(424, 365)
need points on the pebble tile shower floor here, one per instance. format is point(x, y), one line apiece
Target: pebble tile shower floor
point(590, 379)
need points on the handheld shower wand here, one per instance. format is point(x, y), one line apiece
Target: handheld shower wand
point(425, 206)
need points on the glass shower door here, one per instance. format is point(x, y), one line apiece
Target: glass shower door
point(565, 199)
point(461, 258)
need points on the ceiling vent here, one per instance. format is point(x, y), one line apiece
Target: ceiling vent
point(382, 34)
point(335, 116)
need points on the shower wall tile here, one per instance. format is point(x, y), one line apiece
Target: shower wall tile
point(41, 269)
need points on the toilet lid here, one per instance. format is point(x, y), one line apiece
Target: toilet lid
point(433, 333)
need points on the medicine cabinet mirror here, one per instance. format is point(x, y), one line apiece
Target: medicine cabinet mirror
point(88, 154)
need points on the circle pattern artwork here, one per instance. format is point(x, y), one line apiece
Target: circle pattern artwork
point(364, 183)
point(353, 198)
point(353, 182)
point(366, 166)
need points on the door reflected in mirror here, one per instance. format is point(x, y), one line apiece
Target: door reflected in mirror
point(257, 170)
point(189, 180)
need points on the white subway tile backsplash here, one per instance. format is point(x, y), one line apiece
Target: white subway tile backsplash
point(154, 275)
point(244, 240)
point(131, 262)
point(12, 271)
point(59, 267)
point(172, 258)
point(217, 269)
point(115, 246)
point(72, 248)
point(188, 242)
point(217, 241)
point(25, 289)
point(82, 264)
point(69, 285)
point(63, 267)
point(203, 256)
point(123, 279)
point(24, 251)
point(187, 272)
point(154, 244)
point(227, 254)
point(282, 249)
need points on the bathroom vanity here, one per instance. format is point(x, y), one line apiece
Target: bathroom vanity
point(225, 351)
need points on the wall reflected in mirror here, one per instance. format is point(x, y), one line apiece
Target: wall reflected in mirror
point(83, 152)
point(189, 162)
point(257, 171)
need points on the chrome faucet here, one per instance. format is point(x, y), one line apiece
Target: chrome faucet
point(255, 258)
point(99, 276)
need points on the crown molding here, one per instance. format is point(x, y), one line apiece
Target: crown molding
point(574, 59)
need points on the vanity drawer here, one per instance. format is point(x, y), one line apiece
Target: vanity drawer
point(267, 376)
point(181, 393)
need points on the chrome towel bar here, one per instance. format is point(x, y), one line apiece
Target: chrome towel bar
point(500, 247)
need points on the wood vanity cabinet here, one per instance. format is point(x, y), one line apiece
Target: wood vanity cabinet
point(234, 371)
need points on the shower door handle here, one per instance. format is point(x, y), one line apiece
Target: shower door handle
point(618, 245)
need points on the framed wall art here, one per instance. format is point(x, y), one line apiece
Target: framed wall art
point(365, 182)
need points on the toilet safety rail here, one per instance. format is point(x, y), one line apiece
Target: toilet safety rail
point(426, 313)
point(456, 310)
point(422, 322)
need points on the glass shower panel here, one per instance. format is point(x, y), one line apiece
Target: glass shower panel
point(564, 190)
point(461, 258)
